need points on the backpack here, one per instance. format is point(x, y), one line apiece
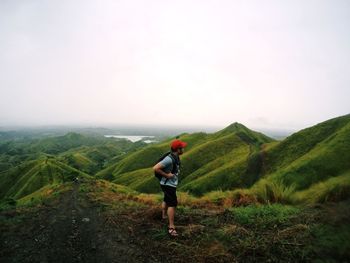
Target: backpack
point(175, 161)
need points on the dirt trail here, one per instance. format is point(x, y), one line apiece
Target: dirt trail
point(71, 230)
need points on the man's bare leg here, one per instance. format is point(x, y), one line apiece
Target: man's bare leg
point(164, 210)
point(171, 215)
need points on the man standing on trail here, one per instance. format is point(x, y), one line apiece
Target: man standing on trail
point(169, 169)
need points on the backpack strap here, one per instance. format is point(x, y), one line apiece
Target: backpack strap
point(175, 161)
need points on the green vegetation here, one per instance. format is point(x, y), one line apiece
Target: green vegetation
point(311, 155)
point(264, 215)
point(252, 233)
point(99, 150)
point(33, 175)
point(256, 232)
point(233, 166)
point(43, 195)
point(242, 195)
point(334, 189)
point(331, 242)
point(223, 160)
point(145, 157)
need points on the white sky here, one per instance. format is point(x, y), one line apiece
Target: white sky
point(271, 64)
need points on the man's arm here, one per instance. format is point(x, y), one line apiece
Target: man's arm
point(158, 169)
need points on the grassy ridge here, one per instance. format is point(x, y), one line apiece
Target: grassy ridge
point(146, 157)
point(333, 189)
point(234, 165)
point(99, 150)
point(29, 177)
point(297, 168)
point(207, 152)
point(91, 159)
point(211, 161)
point(300, 143)
point(292, 165)
point(29, 164)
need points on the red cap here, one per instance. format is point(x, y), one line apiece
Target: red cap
point(176, 144)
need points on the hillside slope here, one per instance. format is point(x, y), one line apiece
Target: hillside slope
point(233, 158)
point(33, 175)
point(237, 157)
point(311, 155)
point(208, 161)
point(98, 150)
point(146, 157)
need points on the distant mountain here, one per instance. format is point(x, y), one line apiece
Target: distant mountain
point(63, 143)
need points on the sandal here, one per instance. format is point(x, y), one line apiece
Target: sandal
point(172, 232)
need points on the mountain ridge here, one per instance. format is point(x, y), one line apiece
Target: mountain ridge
point(232, 158)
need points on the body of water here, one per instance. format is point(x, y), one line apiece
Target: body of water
point(133, 138)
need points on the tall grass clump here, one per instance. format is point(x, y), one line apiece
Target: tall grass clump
point(274, 191)
point(333, 189)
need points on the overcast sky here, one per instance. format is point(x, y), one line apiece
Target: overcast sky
point(269, 64)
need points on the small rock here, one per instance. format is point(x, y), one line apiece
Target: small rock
point(85, 219)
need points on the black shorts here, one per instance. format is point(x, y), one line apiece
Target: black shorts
point(170, 197)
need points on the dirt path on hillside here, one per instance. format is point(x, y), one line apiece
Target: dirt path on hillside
point(70, 230)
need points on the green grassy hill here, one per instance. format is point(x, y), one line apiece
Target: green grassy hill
point(238, 158)
point(218, 164)
point(92, 159)
point(33, 175)
point(147, 156)
point(15, 152)
point(227, 160)
point(310, 156)
point(59, 144)
point(242, 197)
point(309, 166)
point(99, 150)
point(302, 142)
point(211, 161)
